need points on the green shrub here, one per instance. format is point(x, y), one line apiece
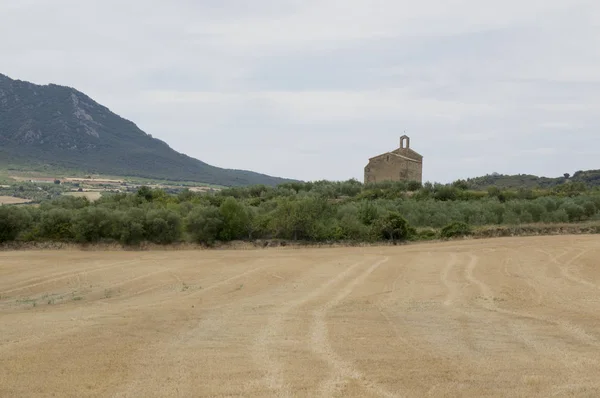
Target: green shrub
point(393, 227)
point(574, 211)
point(526, 217)
point(163, 226)
point(511, 217)
point(204, 224)
point(313, 211)
point(367, 213)
point(299, 218)
point(427, 234)
point(67, 202)
point(557, 216)
point(13, 220)
point(236, 220)
point(351, 228)
point(94, 224)
point(456, 229)
point(536, 210)
point(446, 193)
point(56, 225)
point(414, 186)
point(590, 209)
point(130, 227)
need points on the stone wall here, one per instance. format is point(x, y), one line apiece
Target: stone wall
point(390, 167)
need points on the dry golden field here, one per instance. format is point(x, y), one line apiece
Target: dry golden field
point(511, 317)
point(10, 200)
point(91, 195)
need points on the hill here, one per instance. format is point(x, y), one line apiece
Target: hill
point(54, 126)
point(590, 178)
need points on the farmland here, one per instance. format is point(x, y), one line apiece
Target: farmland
point(90, 195)
point(10, 200)
point(31, 187)
point(472, 318)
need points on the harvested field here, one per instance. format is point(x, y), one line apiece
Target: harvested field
point(10, 200)
point(515, 317)
point(94, 180)
point(30, 178)
point(91, 195)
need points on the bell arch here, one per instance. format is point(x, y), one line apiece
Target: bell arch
point(405, 142)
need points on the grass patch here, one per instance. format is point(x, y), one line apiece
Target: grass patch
point(27, 301)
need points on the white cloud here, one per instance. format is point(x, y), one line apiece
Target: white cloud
point(337, 22)
point(330, 106)
point(537, 151)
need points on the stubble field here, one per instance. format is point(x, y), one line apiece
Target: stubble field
point(10, 200)
point(515, 317)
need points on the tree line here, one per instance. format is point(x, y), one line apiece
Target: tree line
point(320, 211)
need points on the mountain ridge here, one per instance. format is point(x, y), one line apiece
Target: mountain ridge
point(60, 126)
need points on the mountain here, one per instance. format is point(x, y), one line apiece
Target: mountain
point(590, 178)
point(60, 127)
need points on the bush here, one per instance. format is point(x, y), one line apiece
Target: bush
point(427, 234)
point(446, 193)
point(314, 211)
point(536, 210)
point(56, 224)
point(393, 227)
point(352, 228)
point(204, 224)
point(299, 218)
point(163, 226)
point(367, 213)
point(67, 202)
point(13, 220)
point(145, 193)
point(456, 229)
point(130, 227)
point(589, 209)
point(526, 217)
point(94, 224)
point(414, 186)
point(574, 211)
point(560, 216)
point(236, 220)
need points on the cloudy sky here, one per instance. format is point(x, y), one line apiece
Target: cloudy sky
point(310, 89)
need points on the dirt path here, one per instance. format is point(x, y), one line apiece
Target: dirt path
point(504, 317)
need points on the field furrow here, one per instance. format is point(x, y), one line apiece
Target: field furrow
point(500, 317)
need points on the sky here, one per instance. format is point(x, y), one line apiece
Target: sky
point(311, 89)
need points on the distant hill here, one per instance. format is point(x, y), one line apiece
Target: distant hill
point(591, 178)
point(60, 127)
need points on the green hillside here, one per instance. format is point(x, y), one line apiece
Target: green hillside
point(54, 126)
point(590, 178)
